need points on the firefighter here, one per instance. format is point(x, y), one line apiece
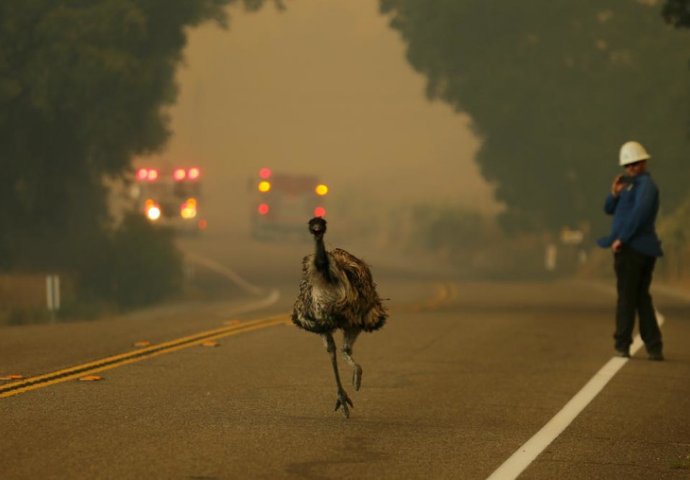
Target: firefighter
point(634, 202)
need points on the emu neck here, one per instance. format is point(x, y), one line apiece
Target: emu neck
point(321, 259)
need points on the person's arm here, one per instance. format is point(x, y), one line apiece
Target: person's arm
point(610, 203)
point(612, 198)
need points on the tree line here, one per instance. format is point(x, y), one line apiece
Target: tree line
point(554, 88)
point(84, 88)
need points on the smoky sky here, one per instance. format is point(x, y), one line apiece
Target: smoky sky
point(322, 88)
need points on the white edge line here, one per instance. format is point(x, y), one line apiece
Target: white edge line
point(227, 273)
point(272, 298)
point(525, 455)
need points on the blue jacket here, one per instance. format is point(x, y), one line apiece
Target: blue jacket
point(634, 212)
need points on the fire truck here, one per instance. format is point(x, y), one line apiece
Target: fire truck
point(284, 203)
point(170, 197)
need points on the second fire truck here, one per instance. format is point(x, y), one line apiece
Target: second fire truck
point(284, 202)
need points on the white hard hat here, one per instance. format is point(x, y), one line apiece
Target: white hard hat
point(632, 152)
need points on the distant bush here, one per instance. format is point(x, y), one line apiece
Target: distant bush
point(475, 246)
point(447, 227)
point(674, 231)
point(135, 265)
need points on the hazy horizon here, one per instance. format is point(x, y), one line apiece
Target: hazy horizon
point(322, 88)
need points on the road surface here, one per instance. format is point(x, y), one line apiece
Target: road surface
point(461, 377)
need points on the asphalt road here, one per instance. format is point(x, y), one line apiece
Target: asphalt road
point(463, 374)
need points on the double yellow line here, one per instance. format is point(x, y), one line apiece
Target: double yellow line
point(78, 371)
point(444, 293)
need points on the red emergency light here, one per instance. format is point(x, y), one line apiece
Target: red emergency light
point(147, 174)
point(179, 174)
point(193, 173)
point(265, 173)
point(319, 212)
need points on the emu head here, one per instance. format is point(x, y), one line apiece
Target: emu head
point(317, 226)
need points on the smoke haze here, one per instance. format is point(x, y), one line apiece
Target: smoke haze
point(322, 88)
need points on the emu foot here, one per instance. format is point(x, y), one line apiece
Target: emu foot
point(343, 401)
point(357, 377)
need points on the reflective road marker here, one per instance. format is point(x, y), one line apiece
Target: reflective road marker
point(86, 369)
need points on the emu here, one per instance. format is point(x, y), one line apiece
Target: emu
point(337, 292)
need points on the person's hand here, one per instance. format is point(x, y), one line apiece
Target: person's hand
point(617, 185)
point(616, 246)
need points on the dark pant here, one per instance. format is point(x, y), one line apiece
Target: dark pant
point(634, 276)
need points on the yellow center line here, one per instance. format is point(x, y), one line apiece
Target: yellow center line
point(59, 376)
point(444, 292)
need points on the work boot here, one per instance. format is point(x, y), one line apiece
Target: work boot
point(623, 352)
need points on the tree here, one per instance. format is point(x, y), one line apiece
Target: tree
point(554, 88)
point(84, 86)
point(677, 13)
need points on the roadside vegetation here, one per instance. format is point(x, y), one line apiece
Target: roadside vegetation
point(553, 89)
point(461, 239)
point(84, 89)
point(475, 245)
point(674, 231)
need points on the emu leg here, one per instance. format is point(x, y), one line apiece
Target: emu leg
point(343, 400)
point(349, 337)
